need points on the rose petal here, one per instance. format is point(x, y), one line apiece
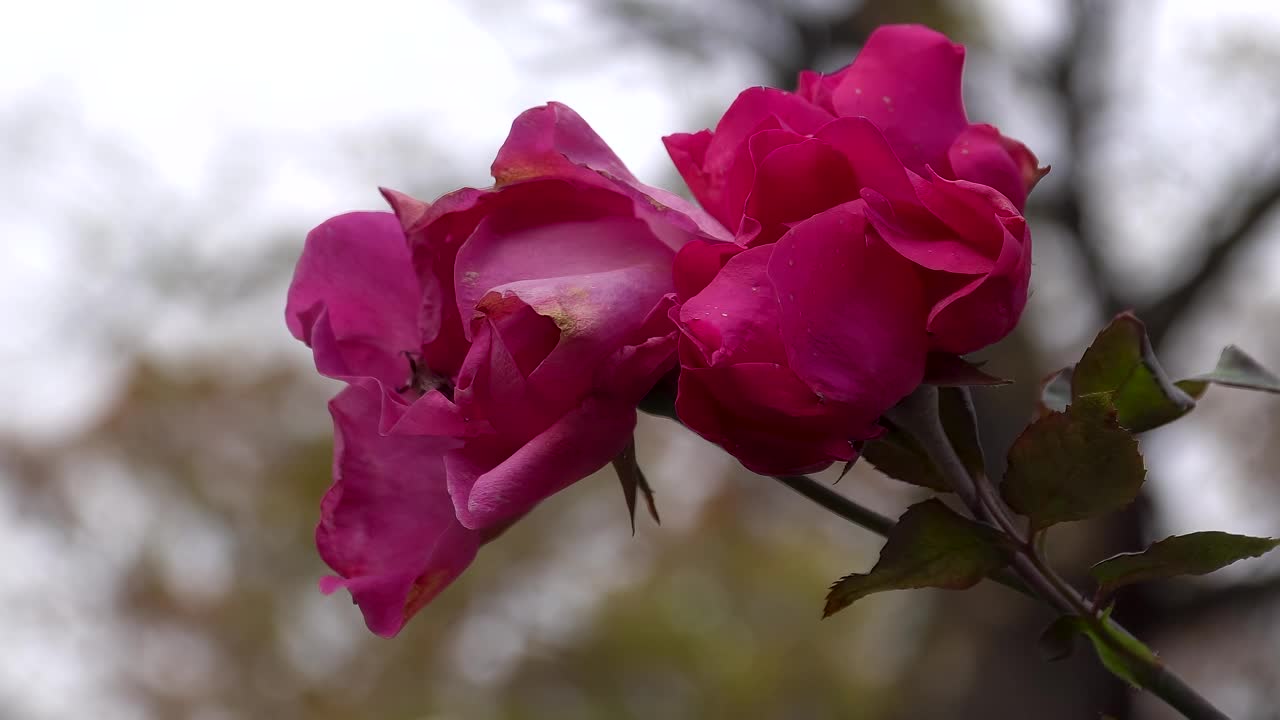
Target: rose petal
point(981, 155)
point(698, 262)
point(387, 525)
point(735, 318)
point(707, 160)
point(489, 486)
point(874, 163)
point(435, 232)
point(793, 183)
point(763, 415)
point(355, 271)
point(852, 317)
point(906, 80)
point(922, 238)
point(986, 309)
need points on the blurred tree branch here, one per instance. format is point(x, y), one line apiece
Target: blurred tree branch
point(1228, 229)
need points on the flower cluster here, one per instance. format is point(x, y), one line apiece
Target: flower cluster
point(496, 342)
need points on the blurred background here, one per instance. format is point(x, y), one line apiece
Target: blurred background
point(165, 442)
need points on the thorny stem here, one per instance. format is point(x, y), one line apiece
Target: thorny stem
point(918, 414)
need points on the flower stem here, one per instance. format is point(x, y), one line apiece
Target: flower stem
point(918, 414)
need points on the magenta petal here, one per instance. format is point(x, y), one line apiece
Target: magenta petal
point(488, 489)
point(852, 316)
point(735, 318)
point(981, 155)
point(762, 414)
point(921, 238)
point(387, 525)
point(795, 182)
point(986, 309)
point(356, 272)
point(874, 163)
point(752, 107)
point(698, 262)
point(906, 80)
point(553, 140)
point(817, 88)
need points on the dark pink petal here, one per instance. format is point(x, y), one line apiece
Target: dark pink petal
point(735, 318)
point(387, 525)
point(435, 232)
point(596, 280)
point(923, 239)
point(971, 210)
point(874, 163)
point(355, 271)
point(982, 155)
point(698, 262)
point(490, 487)
point(986, 309)
point(688, 151)
point(852, 316)
point(492, 388)
point(554, 141)
point(713, 164)
point(906, 80)
point(762, 414)
point(794, 182)
point(817, 88)
point(754, 106)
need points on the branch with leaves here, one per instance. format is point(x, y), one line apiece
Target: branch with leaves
point(1078, 460)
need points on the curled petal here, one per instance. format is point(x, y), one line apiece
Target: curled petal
point(762, 414)
point(355, 278)
point(387, 526)
point(735, 318)
point(980, 154)
point(906, 80)
point(491, 485)
point(852, 312)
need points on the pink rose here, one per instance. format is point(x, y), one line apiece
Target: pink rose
point(879, 225)
point(496, 343)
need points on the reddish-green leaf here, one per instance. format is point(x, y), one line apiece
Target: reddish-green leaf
point(1194, 554)
point(931, 546)
point(1121, 366)
point(1073, 465)
point(1235, 369)
point(899, 455)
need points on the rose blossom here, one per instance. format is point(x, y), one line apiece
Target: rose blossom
point(496, 343)
point(873, 224)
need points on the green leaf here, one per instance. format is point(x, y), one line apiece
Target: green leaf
point(931, 546)
point(1235, 369)
point(899, 455)
point(1073, 465)
point(947, 370)
point(1055, 392)
point(1194, 554)
point(1058, 641)
point(1121, 366)
point(632, 478)
point(1121, 654)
